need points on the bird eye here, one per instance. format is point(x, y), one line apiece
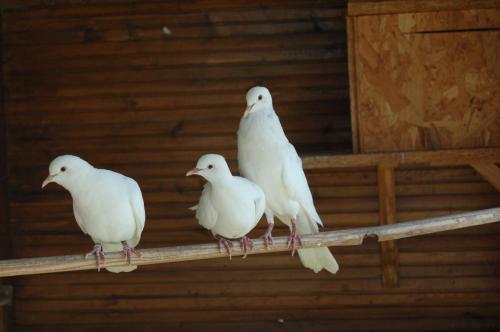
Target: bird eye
point(63, 169)
point(260, 97)
point(210, 166)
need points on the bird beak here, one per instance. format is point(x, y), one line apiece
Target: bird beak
point(248, 110)
point(193, 171)
point(48, 180)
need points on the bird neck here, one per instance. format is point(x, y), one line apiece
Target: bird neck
point(263, 124)
point(80, 184)
point(224, 175)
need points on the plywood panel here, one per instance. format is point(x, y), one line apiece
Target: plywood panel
point(427, 80)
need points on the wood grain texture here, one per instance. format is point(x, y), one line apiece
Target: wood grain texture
point(378, 7)
point(387, 216)
point(408, 100)
point(99, 78)
point(405, 159)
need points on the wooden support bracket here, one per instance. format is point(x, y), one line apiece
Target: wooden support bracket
point(387, 216)
point(490, 172)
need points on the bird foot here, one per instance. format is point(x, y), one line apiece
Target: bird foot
point(99, 255)
point(246, 244)
point(294, 238)
point(268, 237)
point(128, 251)
point(226, 244)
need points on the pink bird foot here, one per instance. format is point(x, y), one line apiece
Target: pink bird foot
point(128, 251)
point(246, 244)
point(226, 244)
point(268, 237)
point(99, 255)
point(294, 238)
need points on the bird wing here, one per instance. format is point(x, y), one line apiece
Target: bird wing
point(256, 193)
point(295, 183)
point(260, 205)
point(78, 218)
point(137, 204)
point(205, 212)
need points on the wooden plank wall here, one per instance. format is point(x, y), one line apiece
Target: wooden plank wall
point(100, 79)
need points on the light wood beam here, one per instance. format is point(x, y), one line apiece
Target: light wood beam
point(348, 237)
point(414, 158)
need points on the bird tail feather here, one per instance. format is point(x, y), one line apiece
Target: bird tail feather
point(315, 259)
point(113, 247)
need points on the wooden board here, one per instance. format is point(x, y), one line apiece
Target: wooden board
point(100, 79)
point(407, 99)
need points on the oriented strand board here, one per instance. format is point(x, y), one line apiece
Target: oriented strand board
point(420, 84)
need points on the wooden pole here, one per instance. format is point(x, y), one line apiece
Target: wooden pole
point(348, 237)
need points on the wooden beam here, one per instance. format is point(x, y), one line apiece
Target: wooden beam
point(387, 216)
point(353, 86)
point(380, 7)
point(348, 237)
point(415, 158)
point(490, 172)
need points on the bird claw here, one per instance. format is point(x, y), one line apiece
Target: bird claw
point(246, 245)
point(268, 237)
point(128, 251)
point(99, 255)
point(226, 244)
point(294, 238)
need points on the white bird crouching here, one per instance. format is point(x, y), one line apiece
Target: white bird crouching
point(266, 157)
point(107, 206)
point(230, 206)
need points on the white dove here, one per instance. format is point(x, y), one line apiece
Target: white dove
point(266, 157)
point(107, 205)
point(230, 206)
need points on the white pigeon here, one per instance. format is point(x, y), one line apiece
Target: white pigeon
point(266, 157)
point(230, 206)
point(107, 205)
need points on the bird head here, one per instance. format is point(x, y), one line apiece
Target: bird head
point(65, 170)
point(258, 98)
point(212, 167)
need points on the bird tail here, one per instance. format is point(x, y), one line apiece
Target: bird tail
point(315, 259)
point(113, 247)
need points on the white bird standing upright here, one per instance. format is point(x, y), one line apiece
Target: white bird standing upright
point(230, 206)
point(107, 205)
point(266, 157)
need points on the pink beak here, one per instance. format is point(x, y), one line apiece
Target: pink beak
point(193, 171)
point(248, 110)
point(47, 180)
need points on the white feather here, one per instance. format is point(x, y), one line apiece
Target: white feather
point(107, 205)
point(230, 206)
point(266, 157)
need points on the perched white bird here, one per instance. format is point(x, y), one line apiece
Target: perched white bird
point(230, 206)
point(107, 205)
point(266, 157)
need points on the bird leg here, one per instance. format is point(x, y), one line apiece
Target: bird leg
point(294, 237)
point(246, 244)
point(226, 244)
point(99, 255)
point(268, 236)
point(128, 251)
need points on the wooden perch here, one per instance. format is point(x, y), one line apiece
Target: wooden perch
point(348, 237)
